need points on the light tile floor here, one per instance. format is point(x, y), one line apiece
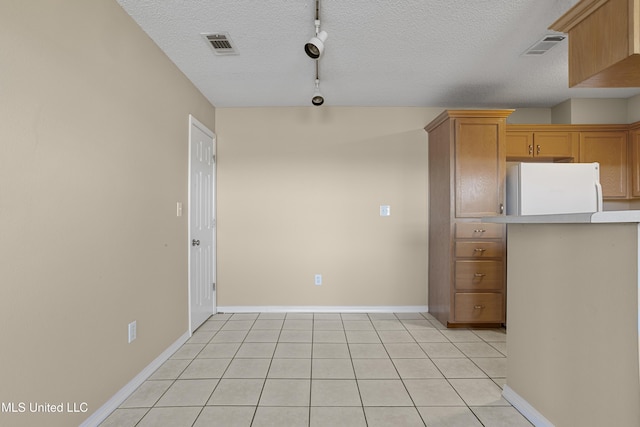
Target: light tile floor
point(327, 369)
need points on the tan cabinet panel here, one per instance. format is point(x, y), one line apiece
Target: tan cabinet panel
point(555, 145)
point(479, 230)
point(479, 307)
point(479, 275)
point(519, 144)
point(634, 162)
point(479, 167)
point(610, 150)
point(479, 250)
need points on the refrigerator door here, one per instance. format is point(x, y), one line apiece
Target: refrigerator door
point(553, 188)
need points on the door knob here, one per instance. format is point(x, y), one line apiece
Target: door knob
point(195, 242)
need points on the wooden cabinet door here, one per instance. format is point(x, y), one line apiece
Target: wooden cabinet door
point(610, 150)
point(555, 144)
point(480, 165)
point(519, 144)
point(634, 137)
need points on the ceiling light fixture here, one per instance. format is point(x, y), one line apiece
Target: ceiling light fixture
point(317, 99)
point(315, 46)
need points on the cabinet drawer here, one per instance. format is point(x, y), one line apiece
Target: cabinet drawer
point(479, 230)
point(479, 275)
point(479, 250)
point(479, 307)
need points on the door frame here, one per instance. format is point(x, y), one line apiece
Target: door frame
point(195, 122)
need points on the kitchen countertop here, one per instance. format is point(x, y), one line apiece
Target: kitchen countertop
point(575, 218)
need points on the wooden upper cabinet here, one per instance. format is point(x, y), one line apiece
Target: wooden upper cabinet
point(479, 166)
point(519, 144)
point(610, 150)
point(634, 161)
point(604, 43)
point(543, 145)
point(555, 145)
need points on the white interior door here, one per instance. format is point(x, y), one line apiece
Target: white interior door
point(202, 224)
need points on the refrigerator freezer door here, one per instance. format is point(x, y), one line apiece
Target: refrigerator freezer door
point(553, 188)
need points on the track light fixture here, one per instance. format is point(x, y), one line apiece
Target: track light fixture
point(315, 46)
point(317, 99)
point(314, 50)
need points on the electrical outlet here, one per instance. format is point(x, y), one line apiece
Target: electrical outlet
point(132, 331)
point(318, 279)
point(385, 210)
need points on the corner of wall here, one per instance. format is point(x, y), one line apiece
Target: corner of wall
point(561, 113)
point(633, 109)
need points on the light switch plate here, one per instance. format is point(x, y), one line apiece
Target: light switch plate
point(132, 331)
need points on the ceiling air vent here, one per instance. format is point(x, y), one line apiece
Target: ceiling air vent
point(221, 43)
point(543, 45)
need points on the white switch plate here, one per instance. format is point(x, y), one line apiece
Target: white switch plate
point(385, 210)
point(132, 331)
point(318, 279)
point(179, 209)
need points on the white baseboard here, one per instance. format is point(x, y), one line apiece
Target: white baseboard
point(529, 412)
point(112, 404)
point(322, 309)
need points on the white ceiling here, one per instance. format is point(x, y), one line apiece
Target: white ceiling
point(433, 53)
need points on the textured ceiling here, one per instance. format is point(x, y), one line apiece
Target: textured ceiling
point(433, 53)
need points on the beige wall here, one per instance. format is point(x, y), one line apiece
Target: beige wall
point(633, 109)
point(561, 113)
point(573, 322)
point(595, 111)
point(93, 158)
point(530, 116)
point(299, 191)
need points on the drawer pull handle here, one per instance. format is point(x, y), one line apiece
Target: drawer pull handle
point(479, 250)
point(478, 307)
point(479, 230)
point(479, 275)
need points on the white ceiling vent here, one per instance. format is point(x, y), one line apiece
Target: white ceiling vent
point(221, 43)
point(543, 45)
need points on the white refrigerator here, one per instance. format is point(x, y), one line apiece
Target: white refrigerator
point(553, 188)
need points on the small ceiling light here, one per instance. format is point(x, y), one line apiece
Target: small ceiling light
point(317, 99)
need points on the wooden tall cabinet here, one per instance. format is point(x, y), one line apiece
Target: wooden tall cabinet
point(467, 162)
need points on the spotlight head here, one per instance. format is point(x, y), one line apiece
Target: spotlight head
point(317, 99)
point(315, 46)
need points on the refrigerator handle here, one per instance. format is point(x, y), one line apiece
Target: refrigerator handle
point(599, 196)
